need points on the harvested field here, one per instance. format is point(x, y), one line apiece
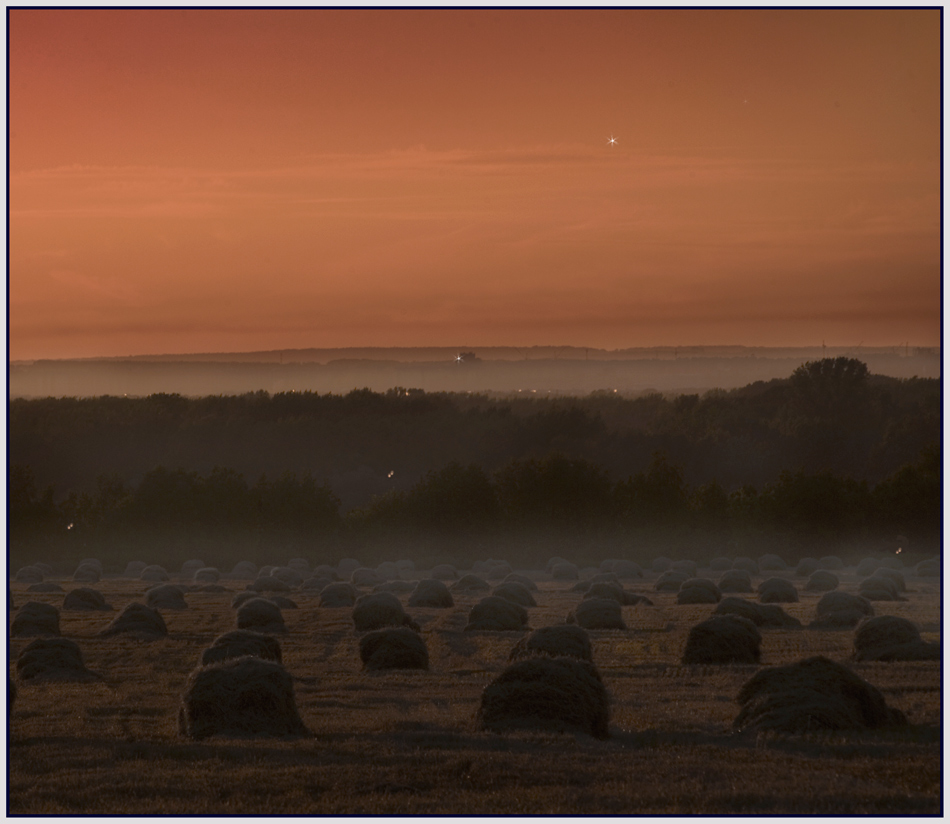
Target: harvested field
point(406, 742)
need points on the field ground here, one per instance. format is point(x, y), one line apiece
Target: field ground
point(406, 742)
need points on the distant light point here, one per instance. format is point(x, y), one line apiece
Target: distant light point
point(611, 141)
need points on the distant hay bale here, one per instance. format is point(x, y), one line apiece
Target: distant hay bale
point(207, 575)
point(388, 571)
point(46, 569)
point(85, 599)
point(892, 638)
point(165, 596)
point(702, 583)
point(347, 567)
point(288, 575)
point(315, 584)
point(46, 586)
point(261, 615)
point(364, 577)
point(605, 589)
point(133, 569)
point(398, 587)
point(777, 591)
point(695, 595)
point(581, 586)
point(283, 602)
point(470, 583)
point(405, 567)
point(830, 562)
point(670, 581)
point(93, 562)
point(561, 640)
point(301, 566)
point(879, 588)
point(378, 610)
point(268, 583)
point(244, 571)
point(892, 562)
point(29, 575)
point(551, 694)
point(624, 569)
point(762, 615)
point(432, 594)
point(770, 562)
point(553, 562)
point(494, 614)
point(444, 572)
point(243, 598)
point(515, 592)
point(691, 568)
point(35, 620)
point(840, 610)
point(53, 659)
point(895, 575)
point(154, 572)
point(481, 567)
point(723, 639)
point(266, 571)
point(87, 574)
point(807, 566)
point(822, 581)
point(565, 571)
point(928, 569)
point(499, 571)
point(735, 580)
point(240, 697)
point(597, 613)
point(605, 578)
point(811, 695)
point(524, 580)
point(240, 642)
point(867, 567)
point(662, 564)
point(326, 571)
point(139, 621)
point(747, 564)
point(189, 568)
point(340, 594)
point(394, 648)
point(720, 564)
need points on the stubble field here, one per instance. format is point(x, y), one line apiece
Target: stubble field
point(406, 742)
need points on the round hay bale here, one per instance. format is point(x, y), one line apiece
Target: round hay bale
point(494, 614)
point(394, 648)
point(604, 578)
point(879, 588)
point(607, 565)
point(771, 563)
point(597, 613)
point(315, 584)
point(524, 580)
point(807, 566)
point(895, 575)
point(244, 571)
point(747, 564)
point(691, 568)
point(830, 562)
point(735, 580)
point(892, 638)
point(777, 591)
point(53, 659)
point(581, 586)
point(46, 586)
point(405, 567)
point(605, 590)
point(87, 574)
point(432, 594)
point(397, 587)
point(282, 602)
point(814, 694)
point(240, 642)
point(444, 572)
point(288, 575)
point(340, 594)
point(29, 575)
point(364, 577)
point(626, 570)
point(93, 562)
point(46, 569)
point(266, 571)
point(867, 567)
point(928, 569)
point(762, 615)
point(378, 610)
point(670, 581)
point(243, 598)
point(165, 596)
point(552, 694)
point(301, 566)
point(702, 583)
point(326, 571)
point(139, 621)
point(822, 581)
point(837, 601)
point(662, 564)
point(133, 569)
point(892, 562)
point(516, 593)
point(261, 615)
point(723, 639)
point(154, 573)
point(268, 583)
point(207, 575)
point(85, 599)
point(842, 619)
point(189, 568)
point(720, 564)
point(696, 595)
point(499, 571)
point(553, 562)
point(565, 571)
point(470, 583)
point(240, 697)
point(347, 567)
point(35, 620)
point(561, 640)
point(388, 571)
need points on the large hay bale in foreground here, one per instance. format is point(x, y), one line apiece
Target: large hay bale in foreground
point(244, 571)
point(240, 642)
point(822, 581)
point(87, 574)
point(268, 583)
point(561, 640)
point(35, 620)
point(394, 648)
point(207, 575)
point(723, 639)
point(515, 592)
point(139, 621)
point(777, 591)
point(624, 569)
point(892, 638)
point(735, 580)
point(565, 571)
point(165, 596)
point(53, 659)
point(240, 697)
point(29, 575)
point(365, 577)
point(340, 594)
point(470, 583)
point(85, 599)
point(378, 610)
point(811, 695)
point(432, 594)
point(494, 614)
point(524, 580)
point(767, 616)
point(597, 613)
point(155, 573)
point(553, 694)
point(261, 615)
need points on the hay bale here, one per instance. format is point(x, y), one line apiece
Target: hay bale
point(735, 580)
point(46, 586)
point(895, 575)
point(879, 588)
point(288, 575)
point(928, 569)
point(695, 595)
point(723, 639)
point(891, 638)
point(364, 577)
point(46, 569)
point(315, 584)
point(605, 589)
point(261, 615)
point(53, 659)
point(300, 565)
point(133, 569)
point(326, 571)
point(807, 566)
point(720, 564)
point(762, 615)
point(597, 613)
point(747, 564)
point(552, 694)
point(347, 567)
point(661, 564)
point(240, 697)
point(524, 580)
point(378, 610)
point(85, 599)
point(207, 575)
point(282, 602)
point(266, 571)
point(867, 567)
point(498, 572)
point(515, 593)
point(830, 562)
point(777, 591)
point(625, 570)
point(670, 581)
point(561, 640)
point(189, 568)
point(93, 562)
point(691, 568)
point(822, 581)
point(394, 648)
point(494, 614)
point(837, 601)
point(35, 620)
point(842, 619)
point(165, 596)
point(553, 562)
point(771, 563)
point(29, 575)
point(244, 571)
point(240, 642)
point(405, 567)
point(432, 594)
point(814, 694)
point(605, 578)
point(339, 594)
point(243, 598)
point(87, 574)
point(470, 583)
point(388, 571)
point(155, 573)
point(397, 586)
point(565, 571)
point(268, 583)
point(702, 583)
point(444, 572)
point(139, 621)
point(581, 586)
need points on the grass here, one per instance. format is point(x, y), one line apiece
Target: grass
point(405, 742)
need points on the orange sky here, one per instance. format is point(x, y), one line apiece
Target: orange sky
point(230, 180)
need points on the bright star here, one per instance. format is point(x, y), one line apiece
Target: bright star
point(612, 141)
